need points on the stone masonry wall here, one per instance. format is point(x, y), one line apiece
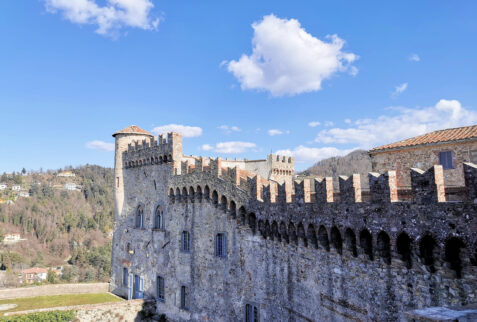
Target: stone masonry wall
point(424, 157)
point(294, 255)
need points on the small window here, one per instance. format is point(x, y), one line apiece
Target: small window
point(117, 182)
point(221, 245)
point(159, 218)
point(125, 276)
point(445, 159)
point(251, 313)
point(160, 288)
point(184, 297)
point(139, 218)
point(185, 241)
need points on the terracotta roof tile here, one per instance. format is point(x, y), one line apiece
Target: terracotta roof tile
point(441, 136)
point(35, 270)
point(133, 129)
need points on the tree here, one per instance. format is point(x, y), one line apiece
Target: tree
point(23, 171)
point(51, 277)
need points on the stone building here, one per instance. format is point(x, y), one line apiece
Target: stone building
point(449, 148)
point(213, 240)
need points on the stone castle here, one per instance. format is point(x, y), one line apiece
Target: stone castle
point(222, 240)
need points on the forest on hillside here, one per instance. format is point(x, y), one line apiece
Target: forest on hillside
point(71, 228)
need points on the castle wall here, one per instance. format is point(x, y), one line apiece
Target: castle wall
point(425, 157)
point(292, 250)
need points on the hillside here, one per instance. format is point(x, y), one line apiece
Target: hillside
point(64, 218)
point(357, 161)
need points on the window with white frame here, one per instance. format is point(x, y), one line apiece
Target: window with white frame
point(159, 218)
point(140, 217)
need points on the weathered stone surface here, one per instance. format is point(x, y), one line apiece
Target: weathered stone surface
point(294, 257)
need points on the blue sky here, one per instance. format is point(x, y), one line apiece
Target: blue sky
point(244, 77)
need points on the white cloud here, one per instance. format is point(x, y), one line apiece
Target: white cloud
point(407, 123)
point(314, 124)
point(231, 147)
point(229, 129)
point(286, 60)
point(273, 132)
point(347, 121)
point(306, 154)
point(206, 147)
point(109, 18)
point(414, 57)
point(399, 89)
point(329, 123)
point(100, 145)
point(187, 131)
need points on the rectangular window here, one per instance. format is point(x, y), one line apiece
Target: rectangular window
point(160, 288)
point(117, 182)
point(185, 241)
point(125, 276)
point(445, 159)
point(221, 245)
point(184, 298)
point(251, 313)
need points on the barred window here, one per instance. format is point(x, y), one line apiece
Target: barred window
point(184, 297)
point(221, 245)
point(160, 288)
point(251, 313)
point(185, 241)
point(445, 159)
point(159, 218)
point(125, 276)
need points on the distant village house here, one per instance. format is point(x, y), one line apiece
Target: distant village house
point(16, 188)
point(3, 186)
point(12, 238)
point(66, 174)
point(34, 274)
point(449, 148)
point(70, 186)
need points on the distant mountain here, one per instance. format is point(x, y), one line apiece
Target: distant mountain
point(357, 161)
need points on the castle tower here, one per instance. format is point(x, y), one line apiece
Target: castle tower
point(282, 168)
point(123, 138)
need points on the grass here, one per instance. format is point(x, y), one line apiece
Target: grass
point(41, 302)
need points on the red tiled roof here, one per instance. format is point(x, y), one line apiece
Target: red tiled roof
point(133, 129)
point(35, 270)
point(440, 136)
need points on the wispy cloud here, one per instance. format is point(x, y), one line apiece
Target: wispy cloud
point(109, 18)
point(231, 147)
point(100, 145)
point(398, 90)
point(314, 124)
point(414, 57)
point(287, 60)
point(408, 122)
point(273, 132)
point(229, 129)
point(187, 131)
point(307, 154)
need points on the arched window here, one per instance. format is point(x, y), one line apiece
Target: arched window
point(350, 241)
point(274, 231)
point(284, 232)
point(233, 209)
point(452, 254)
point(207, 193)
point(426, 250)
point(215, 198)
point(184, 194)
point(292, 233)
point(311, 233)
point(242, 214)
point(139, 218)
point(252, 222)
point(159, 218)
point(191, 194)
point(267, 231)
point(223, 203)
point(301, 234)
point(384, 247)
point(366, 243)
point(171, 195)
point(323, 238)
point(336, 240)
point(403, 247)
point(199, 194)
